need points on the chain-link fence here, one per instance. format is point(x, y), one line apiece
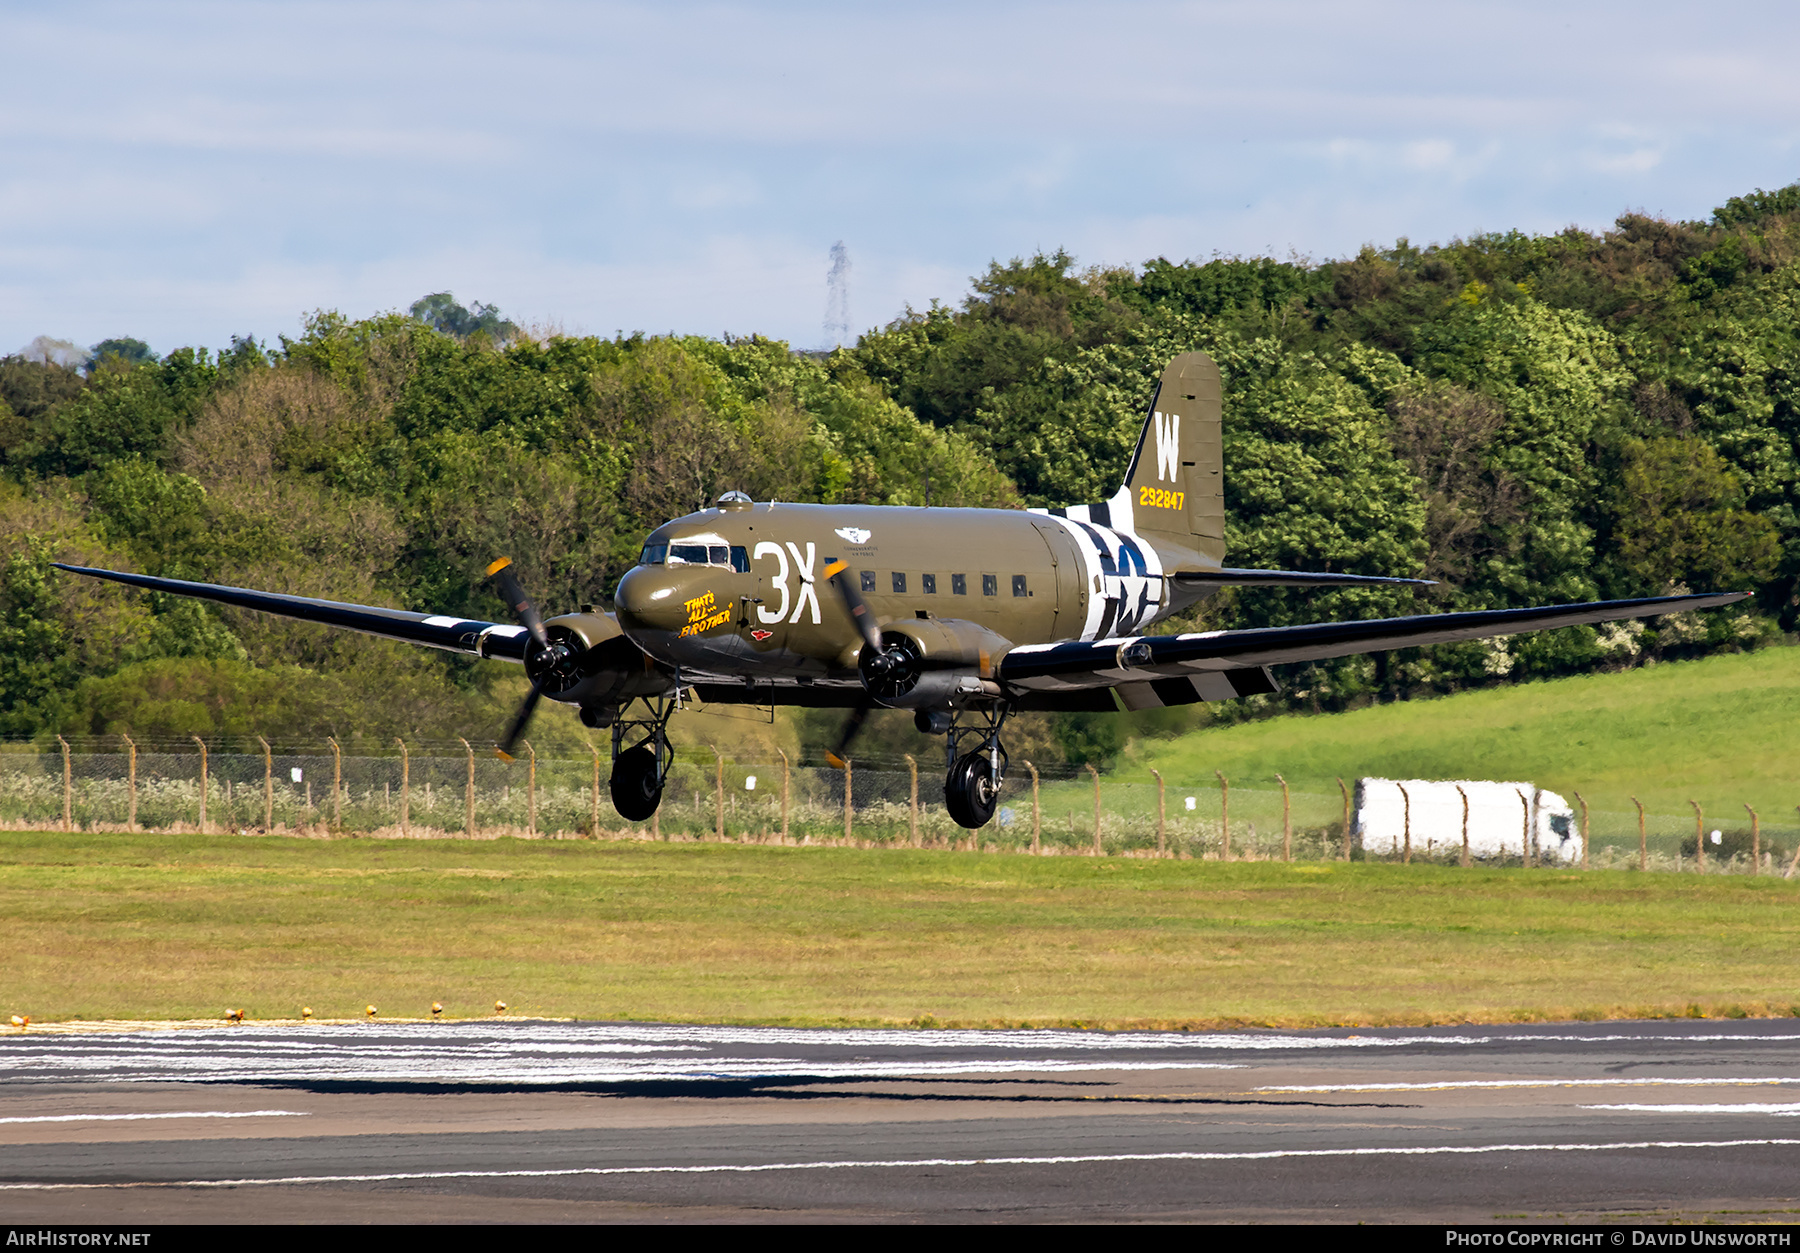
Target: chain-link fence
point(430, 792)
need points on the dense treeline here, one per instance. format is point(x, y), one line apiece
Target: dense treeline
point(1525, 418)
point(387, 462)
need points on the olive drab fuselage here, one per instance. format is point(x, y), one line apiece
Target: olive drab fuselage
point(756, 601)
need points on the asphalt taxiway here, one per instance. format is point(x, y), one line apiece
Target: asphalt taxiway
point(524, 1121)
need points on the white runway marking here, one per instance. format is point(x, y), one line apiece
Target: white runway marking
point(1789, 1110)
point(204, 1113)
point(914, 1163)
point(537, 1053)
point(1530, 1083)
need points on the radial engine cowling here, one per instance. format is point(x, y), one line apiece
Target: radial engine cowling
point(930, 662)
point(590, 660)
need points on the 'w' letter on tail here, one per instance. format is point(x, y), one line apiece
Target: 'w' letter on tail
point(1176, 488)
point(1168, 445)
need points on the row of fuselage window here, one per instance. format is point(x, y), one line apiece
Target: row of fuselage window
point(737, 558)
point(928, 584)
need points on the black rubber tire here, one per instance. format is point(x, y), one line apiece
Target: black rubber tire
point(636, 789)
point(969, 793)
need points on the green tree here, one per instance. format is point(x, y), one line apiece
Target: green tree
point(1682, 520)
point(123, 351)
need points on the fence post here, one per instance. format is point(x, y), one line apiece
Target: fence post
point(530, 790)
point(1755, 842)
point(469, 791)
point(1699, 839)
point(1537, 843)
point(68, 787)
point(202, 744)
point(1643, 840)
point(784, 795)
point(1225, 814)
point(847, 764)
point(1465, 801)
point(718, 795)
point(1098, 850)
point(130, 783)
point(1406, 820)
point(1792, 865)
point(405, 788)
point(1346, 792)
point(1524, 831)
point(912, 813)
point(337, 782)
point(1287, 825)
point(1580, 800)
point(1162, 818)
point(1037, 814)
point(268, 788)
point(594, 800)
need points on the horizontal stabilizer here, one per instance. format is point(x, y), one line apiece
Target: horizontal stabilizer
point(1289, 578)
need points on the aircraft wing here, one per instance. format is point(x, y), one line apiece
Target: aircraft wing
point(1218, 665)
point(501, 640)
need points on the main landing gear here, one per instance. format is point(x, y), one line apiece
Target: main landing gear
point(638, 772)
point(975, 763)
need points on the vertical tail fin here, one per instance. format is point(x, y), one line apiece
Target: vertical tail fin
point(1176, 484)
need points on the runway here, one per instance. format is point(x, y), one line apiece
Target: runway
point(545, 1122)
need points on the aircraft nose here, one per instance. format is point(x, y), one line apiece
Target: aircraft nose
point(650, 596)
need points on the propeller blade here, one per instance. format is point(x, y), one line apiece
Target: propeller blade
point(517, 728)
point(501, 573)
point(839, 574)
point(852, 725)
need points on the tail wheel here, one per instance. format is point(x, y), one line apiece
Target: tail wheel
point(970, 793)
point(637, 784)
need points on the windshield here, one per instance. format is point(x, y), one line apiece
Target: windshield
point(730, 556)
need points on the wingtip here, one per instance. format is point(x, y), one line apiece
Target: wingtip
point(502, 754)
point(836, 761)
point(498, 566)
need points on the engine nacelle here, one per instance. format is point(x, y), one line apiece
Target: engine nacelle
point(591, 661)
point(933, 662)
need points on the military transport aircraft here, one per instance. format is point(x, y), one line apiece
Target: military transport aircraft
point(964, 616)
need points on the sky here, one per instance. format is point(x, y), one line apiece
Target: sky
point(185, 172)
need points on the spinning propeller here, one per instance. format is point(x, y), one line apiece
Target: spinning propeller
point(875, 660)
point(544, 661)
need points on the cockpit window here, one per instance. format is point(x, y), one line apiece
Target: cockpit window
point(730, 556)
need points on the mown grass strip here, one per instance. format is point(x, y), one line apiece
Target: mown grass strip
point(1722, 731)
point(101, 926)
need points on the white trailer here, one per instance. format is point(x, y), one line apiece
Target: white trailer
point(1501, 817)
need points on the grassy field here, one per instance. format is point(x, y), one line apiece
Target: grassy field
point(1724, 731)
point(168, 927)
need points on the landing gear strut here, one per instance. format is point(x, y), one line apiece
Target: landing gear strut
point(972, 778)
point(638, 772)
